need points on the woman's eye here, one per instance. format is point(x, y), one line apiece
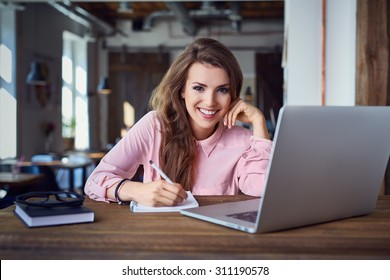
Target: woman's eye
point(198, 88)
point(223, 90)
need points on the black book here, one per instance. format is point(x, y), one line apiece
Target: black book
point(34, 216)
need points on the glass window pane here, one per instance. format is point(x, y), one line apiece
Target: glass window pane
point(128, 112)
point(82, 127)
point(67, 103)
point(81, 80)
point(7, 123)
point(67, 69)
point(6, 63)
point(74, 93)
point(67, 112)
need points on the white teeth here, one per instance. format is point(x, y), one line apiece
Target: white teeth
point(207, 112)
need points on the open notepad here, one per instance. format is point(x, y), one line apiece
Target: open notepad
point(190, 202)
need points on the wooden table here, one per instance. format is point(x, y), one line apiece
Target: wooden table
point(21, 179)
point(93, 156)
point(119, 234)
point(69, 165)
point(12, 185)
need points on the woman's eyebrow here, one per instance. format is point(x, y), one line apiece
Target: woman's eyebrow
point(204, 85)
point(200, 84)
point(224, 85)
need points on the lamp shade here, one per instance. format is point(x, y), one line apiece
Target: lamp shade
point(35, 76)
point(248, 94)
point(104, 87)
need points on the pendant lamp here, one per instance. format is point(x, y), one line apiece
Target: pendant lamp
point(35, 76)
point(104, 87)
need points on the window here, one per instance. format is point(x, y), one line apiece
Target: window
point(7, 124)
point(75, 122)
point(128, 117)
point(8, 113)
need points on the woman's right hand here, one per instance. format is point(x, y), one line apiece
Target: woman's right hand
point(156, 193)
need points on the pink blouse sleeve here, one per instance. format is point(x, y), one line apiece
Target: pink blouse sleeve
point(252, 166)
point(123, 160)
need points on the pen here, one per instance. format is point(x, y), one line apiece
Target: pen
point(162, 174)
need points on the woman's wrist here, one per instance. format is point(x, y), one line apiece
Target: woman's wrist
point(260, 128)
point(123, 192)
point(117, 190)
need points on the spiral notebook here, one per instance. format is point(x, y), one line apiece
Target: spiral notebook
point(190, 202)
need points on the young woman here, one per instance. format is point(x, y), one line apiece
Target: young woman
point(191, 135)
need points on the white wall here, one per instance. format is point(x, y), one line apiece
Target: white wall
point(340, 52)
point(302, 73)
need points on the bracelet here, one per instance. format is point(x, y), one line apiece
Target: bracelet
point(117, 191)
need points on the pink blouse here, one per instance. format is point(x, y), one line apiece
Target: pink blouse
point(230, 160)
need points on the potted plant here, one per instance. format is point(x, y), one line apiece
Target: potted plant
point(68, 133)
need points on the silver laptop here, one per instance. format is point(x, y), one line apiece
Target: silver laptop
point(327, 163)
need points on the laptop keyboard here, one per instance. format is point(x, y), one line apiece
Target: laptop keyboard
point(246, 216)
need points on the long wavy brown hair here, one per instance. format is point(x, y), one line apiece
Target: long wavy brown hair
point(177, 152)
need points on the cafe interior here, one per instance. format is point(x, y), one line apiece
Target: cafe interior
point(76, 75)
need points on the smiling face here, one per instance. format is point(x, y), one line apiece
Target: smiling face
point(207, 98)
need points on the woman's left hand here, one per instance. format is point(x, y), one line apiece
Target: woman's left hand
point(246, 113)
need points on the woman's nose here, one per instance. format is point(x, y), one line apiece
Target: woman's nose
point(209, 98)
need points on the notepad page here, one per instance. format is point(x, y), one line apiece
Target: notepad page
point(190, 202)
